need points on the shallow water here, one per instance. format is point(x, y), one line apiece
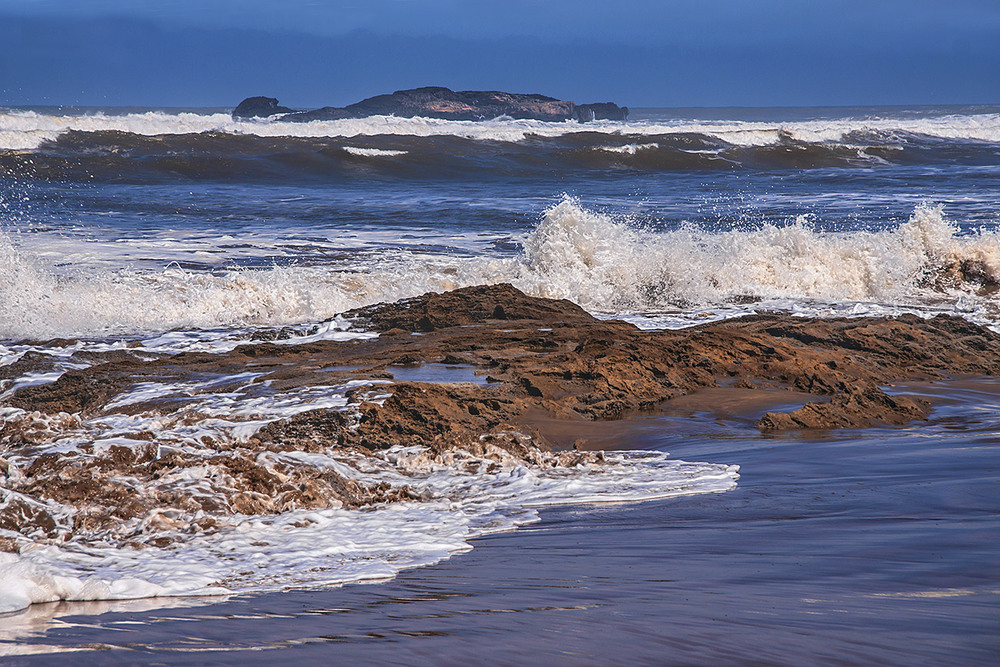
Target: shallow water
point(438, 373)
point(854, 547)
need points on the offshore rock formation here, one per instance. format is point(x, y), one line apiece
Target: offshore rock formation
point(259, 107)
point(600, 111)
point(547, 376)
point(439, 102)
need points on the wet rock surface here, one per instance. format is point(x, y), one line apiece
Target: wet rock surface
point(544, 362)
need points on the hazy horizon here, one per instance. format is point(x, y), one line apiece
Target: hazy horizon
point(675, 54)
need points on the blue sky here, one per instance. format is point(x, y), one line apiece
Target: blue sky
point(640, 53)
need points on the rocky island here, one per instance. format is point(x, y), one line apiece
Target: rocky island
point(443, 103)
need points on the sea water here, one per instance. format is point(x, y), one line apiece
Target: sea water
point(171, 231)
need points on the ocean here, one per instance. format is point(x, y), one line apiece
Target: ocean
point(159, 232)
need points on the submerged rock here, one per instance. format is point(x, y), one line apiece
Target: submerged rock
point(444, 103)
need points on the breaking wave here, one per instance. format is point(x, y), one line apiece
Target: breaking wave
point(610, 266)
point(606, 264)
point(27, 130)
point(158, 145)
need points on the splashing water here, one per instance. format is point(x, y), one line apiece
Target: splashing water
point(605, 264)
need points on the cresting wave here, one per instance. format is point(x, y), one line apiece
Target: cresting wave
point(159, 147)
point(28, 130)
point(604, 263)
point(610, 266)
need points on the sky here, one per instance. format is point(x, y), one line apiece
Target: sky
point(640, 53)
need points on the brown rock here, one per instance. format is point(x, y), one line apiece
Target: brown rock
point(548, 363)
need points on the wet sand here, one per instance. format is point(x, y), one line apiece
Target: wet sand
point(734, 404)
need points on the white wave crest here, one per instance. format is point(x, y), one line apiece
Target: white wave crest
point(628, 149)
point(373, 152)
point(27, 130)
point(610, 266)
point(603, 263)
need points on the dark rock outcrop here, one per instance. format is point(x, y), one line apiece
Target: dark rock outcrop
point(601, 111)
point(551, 356)
point(259, 107)
point(444, 103)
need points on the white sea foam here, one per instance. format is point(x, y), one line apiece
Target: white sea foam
point(27, 130)
point(37, 302)
point(607, 265)
point(464, 497)
point(327, 547)
point(373, 152)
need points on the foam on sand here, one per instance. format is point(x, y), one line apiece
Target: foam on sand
point(201, 425)
point(335, 546)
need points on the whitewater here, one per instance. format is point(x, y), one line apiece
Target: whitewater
point(602, 262)
point(27, 130)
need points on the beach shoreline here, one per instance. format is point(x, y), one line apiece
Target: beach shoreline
point(828, 550)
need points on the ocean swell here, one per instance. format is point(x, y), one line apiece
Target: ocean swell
point(27, 130)
point(158, 146)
